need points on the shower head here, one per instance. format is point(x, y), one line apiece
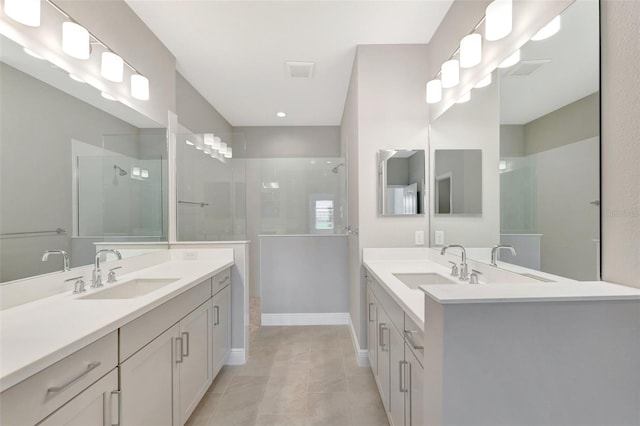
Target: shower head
point(121, 171)
point(335, 169)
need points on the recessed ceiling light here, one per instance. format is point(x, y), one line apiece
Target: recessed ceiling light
point(32, 53)
point(281, 114)
point(76, 78)
point(107, 96)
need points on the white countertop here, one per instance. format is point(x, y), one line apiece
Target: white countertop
point(384, 263)
point(35, 335)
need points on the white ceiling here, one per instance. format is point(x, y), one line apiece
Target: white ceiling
point(234, 52)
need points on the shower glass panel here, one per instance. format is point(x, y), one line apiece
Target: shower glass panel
point(302, 196)
point(211, 193)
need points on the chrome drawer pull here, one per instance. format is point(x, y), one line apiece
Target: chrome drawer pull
point(90, 367)
point(119, 395)
point(185, 336)
point(178, 350)
point(407, 336)
point(224, 280)
point(216, 311)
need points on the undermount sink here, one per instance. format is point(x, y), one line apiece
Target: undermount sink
point(131, 289)
point(426, 278)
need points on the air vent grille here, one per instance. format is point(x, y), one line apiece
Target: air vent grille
point(299, 69)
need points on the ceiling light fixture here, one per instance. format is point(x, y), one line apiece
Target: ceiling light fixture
point(450, 73)
point(26, 12)
point(511, 60)
point(32, 53)
point(470, 50)
point(112, 67)
point(484, 82)
point(498, 20)
point(434, 91)
point(548, 30)
point(140, 87)
point(281, 114)
point(75, 40)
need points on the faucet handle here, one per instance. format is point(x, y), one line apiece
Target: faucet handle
point(454, 269)
point(473, 278)
point(79, 284)
point(111, 278)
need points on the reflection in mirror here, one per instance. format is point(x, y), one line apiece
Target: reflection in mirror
point(401, 182)
point(458, 181)
point(77, 169)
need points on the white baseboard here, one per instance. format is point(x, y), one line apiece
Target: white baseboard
point(362, 356)
point(330, 318)
point(237, 356)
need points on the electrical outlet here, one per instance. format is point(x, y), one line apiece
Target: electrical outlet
point(439, 238)
point(190, 255)
point(419, 238)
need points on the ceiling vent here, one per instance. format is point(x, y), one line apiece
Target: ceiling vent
point(299, 69)
point(526, 68)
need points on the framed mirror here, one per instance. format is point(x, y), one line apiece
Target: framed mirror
point(458, 182)
point(78, 170)
point(401, 185)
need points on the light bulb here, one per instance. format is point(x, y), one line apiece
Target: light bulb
point(471, 50)
point(498, 20)
point(450, 73)
point(75, 40)
point(548, 30)
point(26, 12)
point(511, 60)
point(434, 91)
point(112, 67)
point(140, 87)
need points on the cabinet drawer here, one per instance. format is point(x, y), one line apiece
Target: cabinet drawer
point(414, 338)
point(220, 281)
point(139, 332)
point(33, 399)
point(390, 306)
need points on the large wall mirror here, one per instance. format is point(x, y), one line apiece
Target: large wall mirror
point(457, 182)
point(77, 169)
point(544, 159)
point(401, 182)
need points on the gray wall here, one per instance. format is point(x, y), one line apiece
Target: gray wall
point(289, 141)
point(196, 113)
point(620, 147)
point(511, 140)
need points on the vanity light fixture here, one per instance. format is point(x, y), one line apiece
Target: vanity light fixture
point(484, 82)
point(450, 73)
point(229, 153)
point(216, 142)
point(464, 98)
point(135, 171)
point(207, 150)
point(199, 146)
point(140, 87)
point(26, 12)
point(548, 30)
point(208, 139)
point(223, 148)
point(434, 91)
point(144, 173)
point(281, 114)
point(188, 142)
point(502, 165)
point(511, 60)
point(112, 67)
point(32, 53)
point(498, 20)
point(75, 40)
point(107, 96)
point(470, 50)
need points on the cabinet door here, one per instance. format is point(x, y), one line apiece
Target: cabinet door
point(147, 382)
point(92, 407)
point(397, 387)
point(221, 328)
point(372, 328)
point(382, 356)
point(413, 399)
point(194, 368)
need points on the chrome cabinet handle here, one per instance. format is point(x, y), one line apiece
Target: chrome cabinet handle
point(90, 367)
point(409, 393)
point(178, 350)
point(383, 327)
point(224, 280)
point(216, 315)
point(370, 306)
point(407, 337)
point(185, 336)
point(119, 415)
point(380, 341)
point(402, 376)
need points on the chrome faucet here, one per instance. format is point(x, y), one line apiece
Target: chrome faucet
point(65, 258)
point(96, 280)
point(494, 253)
point(463, 276)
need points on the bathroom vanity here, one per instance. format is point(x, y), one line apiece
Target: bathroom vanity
point(142, 350)
point(492, 348)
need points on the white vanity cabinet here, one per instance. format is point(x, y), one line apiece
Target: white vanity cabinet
point(220, 326)
point(372, 332)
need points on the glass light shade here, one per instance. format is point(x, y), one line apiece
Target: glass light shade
point(434, 91)
point(112, 67)
point(75, 40)
point(107, 96)
point(140, 87)
point(216, 143)
point(223, 148)
point(208, 139)
point(144, 173)
point(135, 171)
point(484, 82)
point(464, 98)
point(229, 153)
point(498, 20)
point(470, 50)
point(548, 30)
point(511, 60)
point(26, 12)
point(450, 73)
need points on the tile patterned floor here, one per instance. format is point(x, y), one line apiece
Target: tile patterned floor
point(295, 376)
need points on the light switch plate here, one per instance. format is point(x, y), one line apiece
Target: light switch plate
point(419, 238)
point(439, 238)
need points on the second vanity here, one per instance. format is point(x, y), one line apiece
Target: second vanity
point(510, 350)
point(142, 350)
